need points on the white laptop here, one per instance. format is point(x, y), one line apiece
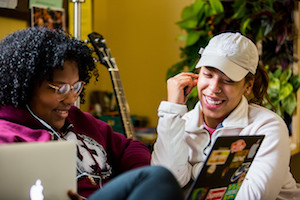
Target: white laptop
point(40, 170)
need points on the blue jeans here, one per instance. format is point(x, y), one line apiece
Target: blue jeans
point(146, 183)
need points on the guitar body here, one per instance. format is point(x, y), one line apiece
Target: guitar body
point(103, 53)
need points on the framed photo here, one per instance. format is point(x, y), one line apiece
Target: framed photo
point(53, 18)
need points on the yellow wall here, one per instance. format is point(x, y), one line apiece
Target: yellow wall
point(142, 38)
point(9, 25)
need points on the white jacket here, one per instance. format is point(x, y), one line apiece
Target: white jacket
point(183, 143)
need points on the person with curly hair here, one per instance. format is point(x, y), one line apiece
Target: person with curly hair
point(42, 74)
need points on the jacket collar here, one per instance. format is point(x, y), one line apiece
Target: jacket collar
point(238, 118)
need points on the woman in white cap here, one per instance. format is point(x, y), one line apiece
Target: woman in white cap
point(230, 88)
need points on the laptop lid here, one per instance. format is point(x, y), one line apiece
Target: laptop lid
point(36, 170)
point(225, 168)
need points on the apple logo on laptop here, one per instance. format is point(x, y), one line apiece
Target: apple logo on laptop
point(36, 191)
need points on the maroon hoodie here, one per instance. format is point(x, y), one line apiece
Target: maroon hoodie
point(18, 125)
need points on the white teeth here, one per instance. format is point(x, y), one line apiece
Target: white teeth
point(211, 102)
point(61, 111)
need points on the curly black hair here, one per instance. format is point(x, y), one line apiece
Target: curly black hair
point(29, 56)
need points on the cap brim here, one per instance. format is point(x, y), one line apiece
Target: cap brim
point(229, 68)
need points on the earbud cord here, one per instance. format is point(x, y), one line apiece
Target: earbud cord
point(52, 131)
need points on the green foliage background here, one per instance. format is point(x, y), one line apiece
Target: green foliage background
point(268, 22)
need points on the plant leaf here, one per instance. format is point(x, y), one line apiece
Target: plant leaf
point(188, 23)
point(216, 6)
point(267, 25)
point(192, 37)
point(239, 9)
point(279, 110)
point(198, 6)
point(285, 76)
point(294, 80)
point(289, 104)
point(245, 25)
point(189, 11)
point(277, 73)
point(181, 37)
point(281, 38)
point(285, 91)
point(274, 84)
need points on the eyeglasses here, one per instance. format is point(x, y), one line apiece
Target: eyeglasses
point(62, 91)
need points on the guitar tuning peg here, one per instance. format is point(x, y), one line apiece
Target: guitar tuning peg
point(113, 60)
point(95, 60)
point(86, 41)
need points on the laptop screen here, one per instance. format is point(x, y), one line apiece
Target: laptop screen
point(225, 168)
point(37, 170)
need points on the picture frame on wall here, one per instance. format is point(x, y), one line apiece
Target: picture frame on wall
point(23, 12)
point(53, 18)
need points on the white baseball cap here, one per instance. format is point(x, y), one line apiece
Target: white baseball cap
point(232, 53)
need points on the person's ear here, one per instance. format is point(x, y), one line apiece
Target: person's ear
point(248, 88)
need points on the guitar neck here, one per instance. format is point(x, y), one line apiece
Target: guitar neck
point(105, 58)
point(122, 103)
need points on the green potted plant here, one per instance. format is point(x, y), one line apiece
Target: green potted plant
point(282, 93)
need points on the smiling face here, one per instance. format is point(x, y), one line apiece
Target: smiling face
point(219, 95)
point(44, 101)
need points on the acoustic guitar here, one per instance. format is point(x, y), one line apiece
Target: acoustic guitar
point(105, 58)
